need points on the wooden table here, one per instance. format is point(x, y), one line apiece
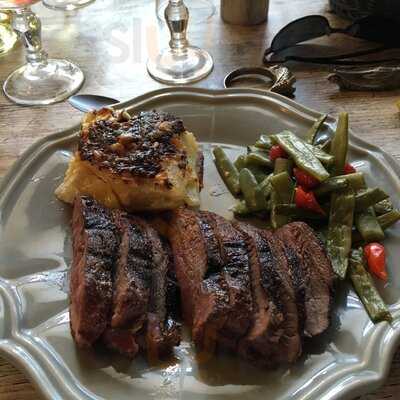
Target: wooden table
point(111, 39)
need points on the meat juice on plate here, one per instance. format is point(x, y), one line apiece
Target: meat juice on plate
point(9, 4)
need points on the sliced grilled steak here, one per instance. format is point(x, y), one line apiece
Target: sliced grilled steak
point(95, 243)
point(317, 271)
point(173, 297)
point(284, 288)
point(196, 258)
point(122, 341)
point(133, 273)
point(212, 304)
point(190, 258)
point(162, 332)
point(140, 315)
point(235, 273)
point(260, 340)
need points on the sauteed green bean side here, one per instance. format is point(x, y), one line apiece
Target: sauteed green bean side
point(283, 178)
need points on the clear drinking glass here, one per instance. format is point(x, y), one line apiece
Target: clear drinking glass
point(179, 63)
point(200, 10)
point(66, 5)
point(8, 37)
point(41, 80)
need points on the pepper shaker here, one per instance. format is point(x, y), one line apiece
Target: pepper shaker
point(244, 12)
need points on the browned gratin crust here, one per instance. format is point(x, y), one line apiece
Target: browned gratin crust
point(133, 146)
point(143, 162)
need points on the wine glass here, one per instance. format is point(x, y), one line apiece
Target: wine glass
point(66, 5)
point(200, 10)
point(8, 37)
point(41, 80)
point(180, 63)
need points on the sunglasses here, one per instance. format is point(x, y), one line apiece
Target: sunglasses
point(372, 28)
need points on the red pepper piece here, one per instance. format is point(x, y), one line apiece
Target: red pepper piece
point(349, 169)
point(376, 259)
point(277, 151)
point(304, 179)
point(307, 201)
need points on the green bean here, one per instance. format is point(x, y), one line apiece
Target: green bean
point(255, 149)
point(283, 165)
point(322, 155)
point(385, 221)
point(340, 143)
point(264, 142)
point(388, 219)
point(256, 170)
point(368, 226)
point(259, 173)
point(282, 193)
point(297, 213)
point(383, 206)
point(240, 162)
point(261, 199)
point(312, 132)
point(340, 230)
point(259, 159)
point(365, 288)
point(303, 157)
point(356, 180)
point(326, 146)
point(265, 186)
point(240, 208)
point(368, 197)
point(227, 170)
point(248, 185)
point(331, 185)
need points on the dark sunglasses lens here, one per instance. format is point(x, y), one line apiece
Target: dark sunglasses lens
point(376, 29)
point(300, 30)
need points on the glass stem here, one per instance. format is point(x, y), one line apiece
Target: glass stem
point(177, 17)
point(28, 27)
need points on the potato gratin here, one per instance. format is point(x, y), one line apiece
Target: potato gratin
point(143, 162)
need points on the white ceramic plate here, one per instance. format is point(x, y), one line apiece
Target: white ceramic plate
point(35, 252)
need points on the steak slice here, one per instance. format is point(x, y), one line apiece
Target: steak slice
point(235, 275)
point(123, 341)
point(140, 316)
point(213, 299)
point(133, 273)
point(190, 257)
point(162, 332)
point(197, 262)
point(95, 243)
point(284, 289)
point(261, 339)
point(317, 272)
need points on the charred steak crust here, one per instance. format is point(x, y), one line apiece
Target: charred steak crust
point(236, 276)
point(260, 340)
point(317, 272)
point(276, 278)
point(213, 300)
point(132, 274)
point(134, 145)
point(162, 333)
point(95, 243)
point(243, 288)
point(140, 317)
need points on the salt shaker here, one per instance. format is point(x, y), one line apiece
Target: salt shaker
point(244, 12)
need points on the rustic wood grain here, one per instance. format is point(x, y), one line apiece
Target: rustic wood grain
point(89, 37)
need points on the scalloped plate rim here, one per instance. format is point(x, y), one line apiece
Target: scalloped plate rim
point(375, 370)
